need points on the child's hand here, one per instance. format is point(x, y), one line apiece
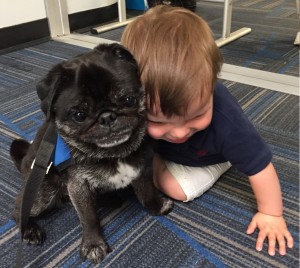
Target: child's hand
point(274, 228)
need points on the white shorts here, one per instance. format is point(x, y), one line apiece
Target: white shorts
point(194, 181)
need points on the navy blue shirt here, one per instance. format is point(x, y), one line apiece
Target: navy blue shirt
point(230, 137)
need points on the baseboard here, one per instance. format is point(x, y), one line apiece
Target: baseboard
point(35, 30)
point(23, 33)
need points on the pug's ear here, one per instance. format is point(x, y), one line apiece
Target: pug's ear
point(123, 53)
point(47, 89)
point(118, 50)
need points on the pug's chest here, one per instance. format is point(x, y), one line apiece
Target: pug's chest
point(107, 177)
point(124, 175)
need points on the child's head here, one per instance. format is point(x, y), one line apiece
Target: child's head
point(177, 55)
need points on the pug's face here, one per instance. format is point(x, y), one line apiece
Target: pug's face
point(97, 102)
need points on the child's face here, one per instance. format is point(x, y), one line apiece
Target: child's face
point(178, 129)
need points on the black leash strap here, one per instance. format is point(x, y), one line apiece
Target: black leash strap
point(40, 167)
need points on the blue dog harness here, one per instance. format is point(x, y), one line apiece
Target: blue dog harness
point(61, 158)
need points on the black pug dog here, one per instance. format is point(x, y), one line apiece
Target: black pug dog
point(97, 104)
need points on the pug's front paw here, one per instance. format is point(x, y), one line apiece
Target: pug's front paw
point(167, 206)
point(33, 234)
point(94, 251)
point(160, 206)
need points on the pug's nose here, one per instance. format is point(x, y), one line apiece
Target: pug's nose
point(107, 118)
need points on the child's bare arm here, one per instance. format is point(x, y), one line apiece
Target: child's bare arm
point(268, 219)
point(266, 188)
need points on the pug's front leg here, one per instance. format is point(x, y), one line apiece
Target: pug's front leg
point(93, 246)
point(149, 196)
point(33, 234)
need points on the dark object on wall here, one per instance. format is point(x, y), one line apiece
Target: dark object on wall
point(189, 4)
point(92, 17)
point(23, 33)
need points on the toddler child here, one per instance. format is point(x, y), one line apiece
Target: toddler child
point(201, 128)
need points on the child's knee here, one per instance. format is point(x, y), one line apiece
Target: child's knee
point(170, 186)
point(166, 183)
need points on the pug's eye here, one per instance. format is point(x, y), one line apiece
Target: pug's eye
point(79, 116)
point(129, 101)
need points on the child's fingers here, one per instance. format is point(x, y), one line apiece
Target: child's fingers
point(272, 244)
point(281, 244)
point(251, 227)
point(282, 240)
point(260, 240)
point(289, 238)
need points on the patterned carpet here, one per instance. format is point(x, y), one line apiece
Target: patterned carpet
point(208, 232)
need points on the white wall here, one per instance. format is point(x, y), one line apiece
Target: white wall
point(14, 12)
point(75, 6)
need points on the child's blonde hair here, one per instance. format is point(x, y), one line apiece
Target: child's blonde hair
point(178, 57)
